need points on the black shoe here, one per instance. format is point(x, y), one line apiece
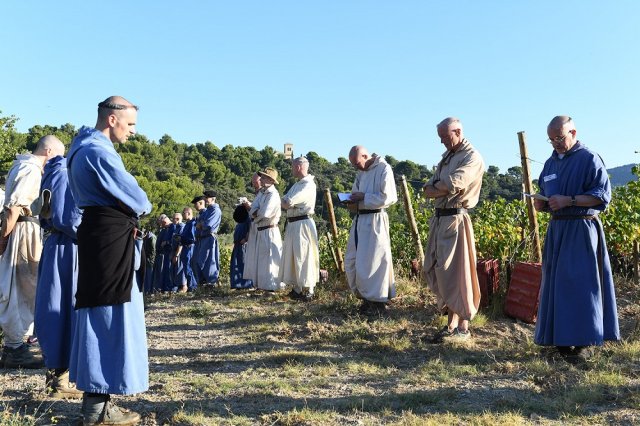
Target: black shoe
point(294, 295)
point(364, 307)
point(578, 355)
point(21, 357)
point(306, 297)
point(379, 308)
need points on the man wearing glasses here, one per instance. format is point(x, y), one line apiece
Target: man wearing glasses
point(450, 256)
point(109, 350)
point(577, 298)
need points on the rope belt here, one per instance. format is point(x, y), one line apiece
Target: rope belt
point(262, 228)
point(363, 211)
point(574, 217)
point(297, 218)
point(449, 212)
point(28, 219)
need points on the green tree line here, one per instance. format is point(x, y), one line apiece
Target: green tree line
point(172, 173)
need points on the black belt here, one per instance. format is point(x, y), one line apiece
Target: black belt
point(186, 244)
point(262, 228)
point(363, 211)
point(449, 212)
point(574, 217)
point(297, 218)
point(28, 219)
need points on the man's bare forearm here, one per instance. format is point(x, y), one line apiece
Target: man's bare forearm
point(436, 190)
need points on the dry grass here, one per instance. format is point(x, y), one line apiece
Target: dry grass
point(243, 358)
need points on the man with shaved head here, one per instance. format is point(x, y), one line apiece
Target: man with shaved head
point(577, 309)
point(109, 350)
point(21, 237)
point(368, 263)
point(450, 256)
point(300, 265)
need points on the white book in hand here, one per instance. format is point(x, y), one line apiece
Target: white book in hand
point(344, 196)
point(537, 196)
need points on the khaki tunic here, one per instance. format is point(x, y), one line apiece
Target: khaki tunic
point(368, 264)
point(19, 263)
point(450, 257)
point(300, 256)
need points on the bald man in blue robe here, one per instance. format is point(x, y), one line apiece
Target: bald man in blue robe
point(577, 310)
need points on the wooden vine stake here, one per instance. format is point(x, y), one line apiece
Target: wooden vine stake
point(334, 229)
point(636, 260)
point(408, 207)
point(533, 220)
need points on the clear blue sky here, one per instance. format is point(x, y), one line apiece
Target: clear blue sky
point(326, 75)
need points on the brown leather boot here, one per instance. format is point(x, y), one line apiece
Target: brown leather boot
point(59, 386)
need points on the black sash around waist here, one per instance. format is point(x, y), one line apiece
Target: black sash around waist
point(262, 228)
point(574, 217)
point(364, 211)
point(297, 218)
point(106, 253)
point(449, 212)
point(28, 219)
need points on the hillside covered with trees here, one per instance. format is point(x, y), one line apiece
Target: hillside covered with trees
point(172, 173)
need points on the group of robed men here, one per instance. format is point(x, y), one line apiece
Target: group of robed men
point(260, 259)
point(187, 253)
point(577, 309)
point(91, 325)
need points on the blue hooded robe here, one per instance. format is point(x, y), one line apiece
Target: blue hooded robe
point(187, 241)
point(577, 295)
point(55, 316)
point(237, 255)
point(109, 351)
point(208, 252)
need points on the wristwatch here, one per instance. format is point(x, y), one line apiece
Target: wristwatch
point(573, 200)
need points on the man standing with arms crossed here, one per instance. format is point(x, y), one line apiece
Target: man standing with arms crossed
point(300, 257)
point(450, 257)
point(109, 353)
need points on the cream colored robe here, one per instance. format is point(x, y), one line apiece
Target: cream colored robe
point(268, 252)
point(369, 266)
point(19, 263)
point(450, 256)
point(300, 256)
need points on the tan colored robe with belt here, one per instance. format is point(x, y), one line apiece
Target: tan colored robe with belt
point(19, 263)
point(450, 256)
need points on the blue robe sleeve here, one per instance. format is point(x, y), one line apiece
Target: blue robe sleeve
point(212, 220)
point(114, 179)
point(597, 183)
